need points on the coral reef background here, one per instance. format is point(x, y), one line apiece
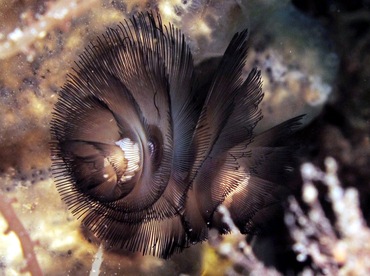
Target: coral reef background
point(323, 71)
point(343, 129)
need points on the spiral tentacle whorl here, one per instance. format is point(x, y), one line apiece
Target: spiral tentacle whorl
point(144, 156)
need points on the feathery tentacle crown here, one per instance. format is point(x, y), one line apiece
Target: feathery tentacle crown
point(145, 157)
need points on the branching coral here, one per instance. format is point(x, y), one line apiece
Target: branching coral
point(343, 249)
point(15, 225)
point(236, 249)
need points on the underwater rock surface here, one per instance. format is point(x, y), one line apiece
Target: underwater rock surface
point(298, 61)
point(47, 38)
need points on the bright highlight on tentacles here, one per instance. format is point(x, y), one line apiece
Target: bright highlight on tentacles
point(132, 155)
point(145, 156)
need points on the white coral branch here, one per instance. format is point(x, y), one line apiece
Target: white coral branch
point(239, 252)
point(336, 254)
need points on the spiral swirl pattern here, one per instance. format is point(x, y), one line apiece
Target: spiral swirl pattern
point(145, 155)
